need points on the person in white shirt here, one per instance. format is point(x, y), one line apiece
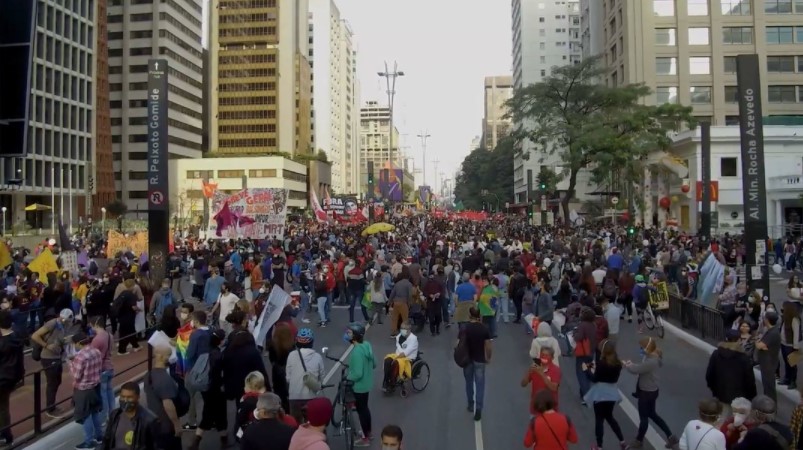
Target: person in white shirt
point(298, 369)
point(702, 433)
point(613, 314)
point(225, 304)
point(399, 364)
point(599, 275)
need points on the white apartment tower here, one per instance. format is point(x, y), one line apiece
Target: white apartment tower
point(546, 34)
point(335, 93)
point(139, 31)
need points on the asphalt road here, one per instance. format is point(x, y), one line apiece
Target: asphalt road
point(437, 418)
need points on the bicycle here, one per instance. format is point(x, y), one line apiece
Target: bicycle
point(658, 302)
point(345, 398)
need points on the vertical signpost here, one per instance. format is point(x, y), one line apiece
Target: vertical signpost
point(754, 191)
point(158, 189)
point(705, 186)
point(530, 207)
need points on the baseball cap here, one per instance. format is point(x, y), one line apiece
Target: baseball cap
point(319, 411)
point(66, 313)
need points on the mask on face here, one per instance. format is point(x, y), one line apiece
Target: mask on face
point(184, 316)
point(388, 447)
point(545, 361)
point(739, 418)
point(347, 338)
point(127, 406)
point(405, 333)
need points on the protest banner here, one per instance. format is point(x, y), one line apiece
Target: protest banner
point(250, 213)
point(277, 300)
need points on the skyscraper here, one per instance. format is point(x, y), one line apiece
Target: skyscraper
point(374, 142)
point(495, 126)
point(260, 88)
point(101, 182)
point(49, 92)
point(546, 34)
point(336, 99)
point(140, 31)
point(686, 52)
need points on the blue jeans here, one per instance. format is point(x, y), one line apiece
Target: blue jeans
point(107, 393)
point(355, 298)
point(93, 429)
point(322, 302)
point(474, 374)
point(582, 378)
point(504, 308)
point(304, 306)
point(330, 298)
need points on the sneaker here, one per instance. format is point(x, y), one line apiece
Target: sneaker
point(363, 442)
point(86, 445)
point(323, 324)
point(470, 407)
point(635, 444)
point(305, 320)
point(57, 413)
point(189, 427)
point(477, 415)
point(122, 354)
point(136, 349)
point(672, 442)
point(595, 447)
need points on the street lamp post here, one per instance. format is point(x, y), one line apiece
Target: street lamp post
point(103, 221)
point(4, 209)
point(390, 79)
point(424, 136)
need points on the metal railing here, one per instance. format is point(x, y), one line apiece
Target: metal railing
point(38, 409)
point(708, 323)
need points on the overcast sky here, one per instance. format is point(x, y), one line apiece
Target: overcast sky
point(445, 48)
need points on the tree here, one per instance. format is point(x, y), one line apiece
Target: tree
point(590, 125)
point(117, 210)
point(490, 171)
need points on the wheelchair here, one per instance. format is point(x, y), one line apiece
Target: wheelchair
point(419, 378)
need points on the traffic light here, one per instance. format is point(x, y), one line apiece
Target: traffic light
point(543, 186)
point(370, 173)
point(631, 230)
point(370, 178)
point(530, 212)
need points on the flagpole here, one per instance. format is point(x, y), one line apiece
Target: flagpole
point(52, 199)
point(70, 187)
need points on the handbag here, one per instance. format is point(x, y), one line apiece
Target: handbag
point(311, 382)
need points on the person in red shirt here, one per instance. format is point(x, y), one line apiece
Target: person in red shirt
point(543, 375)
point(549, 429)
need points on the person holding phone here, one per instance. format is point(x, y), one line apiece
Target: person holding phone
point(543, 374)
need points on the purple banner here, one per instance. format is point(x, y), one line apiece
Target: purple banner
point(424, 194)
point(390, 184)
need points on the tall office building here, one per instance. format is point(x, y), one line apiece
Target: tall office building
point(260, 88)
point(546, 34)
point(686, 52)
point(592, 33)
point(139, 31)
point(101, 180)
point(335, 99)
point(47, 132)
point(495, 126)
point(374, 142)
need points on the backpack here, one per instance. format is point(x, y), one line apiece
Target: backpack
point(198, 378)
point(182, 399)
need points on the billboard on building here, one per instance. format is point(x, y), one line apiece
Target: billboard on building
point(424, 194)
point(390, 184)
point(250, 213)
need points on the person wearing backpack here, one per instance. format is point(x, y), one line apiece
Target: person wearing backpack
point(161, 300)
point(12, 370)
point(213, 415)
point(161, 394)
point(305, 373)
point(199, 345)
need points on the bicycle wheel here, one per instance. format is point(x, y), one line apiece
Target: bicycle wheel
point(649, 319)
point(659, 325)
point(348, 428)
point(420, 376)
point(336, 416)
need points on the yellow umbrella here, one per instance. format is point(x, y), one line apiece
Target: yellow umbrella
point(37, 207)
point(379, 227)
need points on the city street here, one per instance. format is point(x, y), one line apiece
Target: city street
point(437, 418)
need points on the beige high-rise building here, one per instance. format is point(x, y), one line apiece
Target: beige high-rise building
point(685, 50)
point(498, 90)
point(260, 84)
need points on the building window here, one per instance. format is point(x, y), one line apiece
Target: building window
point(781, 64)
point(666, 94)
point(199, 174)
point(698, 7)
point(735, 7)
point(230, 173)
point(737, 35)
point(698, 36)
point(731, 94)
point(728, 167)
point(781, 94)
point(666, 36)
point(699, 65)
point(137, 175)
point(778, 6)
point(666, 66)
point(730, 64)
point(147, 17)
point(780, 35)
point(262, 173)
point(800, 64)
point(664, 8)
point(700, 94)
point(137, 195)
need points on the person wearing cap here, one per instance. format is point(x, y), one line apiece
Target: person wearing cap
point(312, 435)
point(269, 431)
point(52, 336)
point(301, 364)
point(730, 371)
point(768, 434)
point(85, 370)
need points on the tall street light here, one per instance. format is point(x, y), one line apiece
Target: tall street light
point(390, 79)
point(424, 136)
point(103, 222)
point(4, 220)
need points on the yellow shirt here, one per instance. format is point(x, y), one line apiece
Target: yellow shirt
point(80, 292)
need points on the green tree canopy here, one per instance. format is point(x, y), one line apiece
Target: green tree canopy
point(490, 171)
point(589, 125)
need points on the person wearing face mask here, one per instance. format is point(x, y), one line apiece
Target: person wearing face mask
point(768, 433)
point(740, 422)
point(85, 370)
point(702, 434)
point(543, 374)
point(269, 431)
point(730, 371)
point(768, 349)
point(361, 373)
point(53, 337)
point(225, 304)
point(392, 437)
point(398, 365)
point(131, 426)
point(312, 435)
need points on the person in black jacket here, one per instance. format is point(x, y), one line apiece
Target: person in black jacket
point(268, 432)
point(240, 357)
point(730, 372)
point(604, 394)
point(12, 369)
point(131, 425)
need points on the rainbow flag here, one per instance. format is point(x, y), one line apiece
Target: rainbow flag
point(182, 344)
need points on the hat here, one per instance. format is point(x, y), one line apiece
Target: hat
point(270, 402)
point(66, 313)
point(732, 336)
point(319, 411)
